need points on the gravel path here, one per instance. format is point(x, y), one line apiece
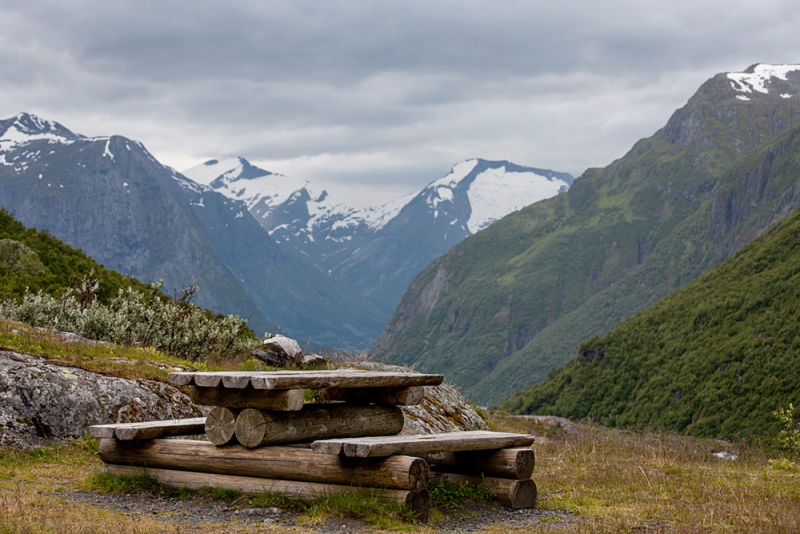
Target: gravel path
point(198, 510)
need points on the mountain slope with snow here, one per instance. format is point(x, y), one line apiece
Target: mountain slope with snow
point(110, 197)
point(377, 251)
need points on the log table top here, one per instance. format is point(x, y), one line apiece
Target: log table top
point(338, 378)
point(472, 440)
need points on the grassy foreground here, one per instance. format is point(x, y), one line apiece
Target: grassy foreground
point(608, 481)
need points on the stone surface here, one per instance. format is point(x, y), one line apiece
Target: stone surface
point(442, 409)
point(280, 351)
point(41, 402)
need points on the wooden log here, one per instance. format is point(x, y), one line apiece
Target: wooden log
point(385, 445)
point(256, 427)
point(220, 425)
point(396, 472)
point(286, 400)
point(418, 501)
point(149, 429)
point(504, 463)
point(338, 378)
point(510, 493)
point(410, 396)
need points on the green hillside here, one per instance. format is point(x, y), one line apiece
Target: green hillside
point(505, 306)
point(748, 198)
point(39, 261)
point(715, 358)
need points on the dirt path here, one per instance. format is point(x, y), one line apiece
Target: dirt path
point(199, 510)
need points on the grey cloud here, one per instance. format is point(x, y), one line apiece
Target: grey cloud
point(398, 89)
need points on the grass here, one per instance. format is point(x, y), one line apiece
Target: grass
point(111, 360)
point(606, 480)
point(619, 481)
point(108, 359)
point(451, 496)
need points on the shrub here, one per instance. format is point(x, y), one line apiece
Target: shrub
point(789, 436)
point(174, 326)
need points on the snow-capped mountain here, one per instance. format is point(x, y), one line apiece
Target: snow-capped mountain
point(766, 79)
point(377, 251)
point(110, 197)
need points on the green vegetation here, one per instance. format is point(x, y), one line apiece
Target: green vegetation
point(789, 436)
point(32, 261)
point(445, 494)
point(505, 306)
point(176, 327)
point(45, 283)
point(714, 359)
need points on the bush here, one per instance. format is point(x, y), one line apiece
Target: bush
point(174, 326)
point(789, 436)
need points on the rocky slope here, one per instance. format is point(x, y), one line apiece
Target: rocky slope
point(508, 304)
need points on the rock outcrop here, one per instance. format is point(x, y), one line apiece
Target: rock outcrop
point(42, 402)
point(442, 409)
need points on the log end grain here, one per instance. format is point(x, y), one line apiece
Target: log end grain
point(221, 425)
point(250, 428)
point(524, 495)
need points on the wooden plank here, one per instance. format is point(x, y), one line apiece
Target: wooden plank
point(421, 444)
point(410, 396)
point(181, 379)
point(338, 378)
point(334, 379)
point(397, 472)
point(417, 500)
point(150, 429)
point(255, 428)
point(510, 493)
point(515, 463)
point(285, 400)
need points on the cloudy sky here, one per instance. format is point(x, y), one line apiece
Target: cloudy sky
point(374, 99)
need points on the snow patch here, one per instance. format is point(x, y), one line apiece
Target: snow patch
point(742, 97)
point(747, 82)
point(786, 95)
point(106, 151)
point(495, 193)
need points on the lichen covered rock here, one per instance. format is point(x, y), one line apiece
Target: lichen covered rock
point(442, 409)
point(41, 402)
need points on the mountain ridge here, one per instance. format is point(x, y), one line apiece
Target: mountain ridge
point(514, 282)
point(377, 251)
point(111, 198)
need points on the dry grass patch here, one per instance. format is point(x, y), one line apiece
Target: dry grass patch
point(617, 481)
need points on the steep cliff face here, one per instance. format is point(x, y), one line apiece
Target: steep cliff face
point(523, 294)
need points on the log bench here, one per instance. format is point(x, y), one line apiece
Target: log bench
point(149, 429)
point(344, 442)
point(419, 501)
point(280, 380)
point(472, 440)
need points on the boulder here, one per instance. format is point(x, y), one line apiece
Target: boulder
point(442, 409)
point(42, 402)
point(280, 351)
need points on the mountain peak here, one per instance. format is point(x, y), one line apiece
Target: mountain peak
point(225, 171)
point(760, 78)
point(25, 127)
